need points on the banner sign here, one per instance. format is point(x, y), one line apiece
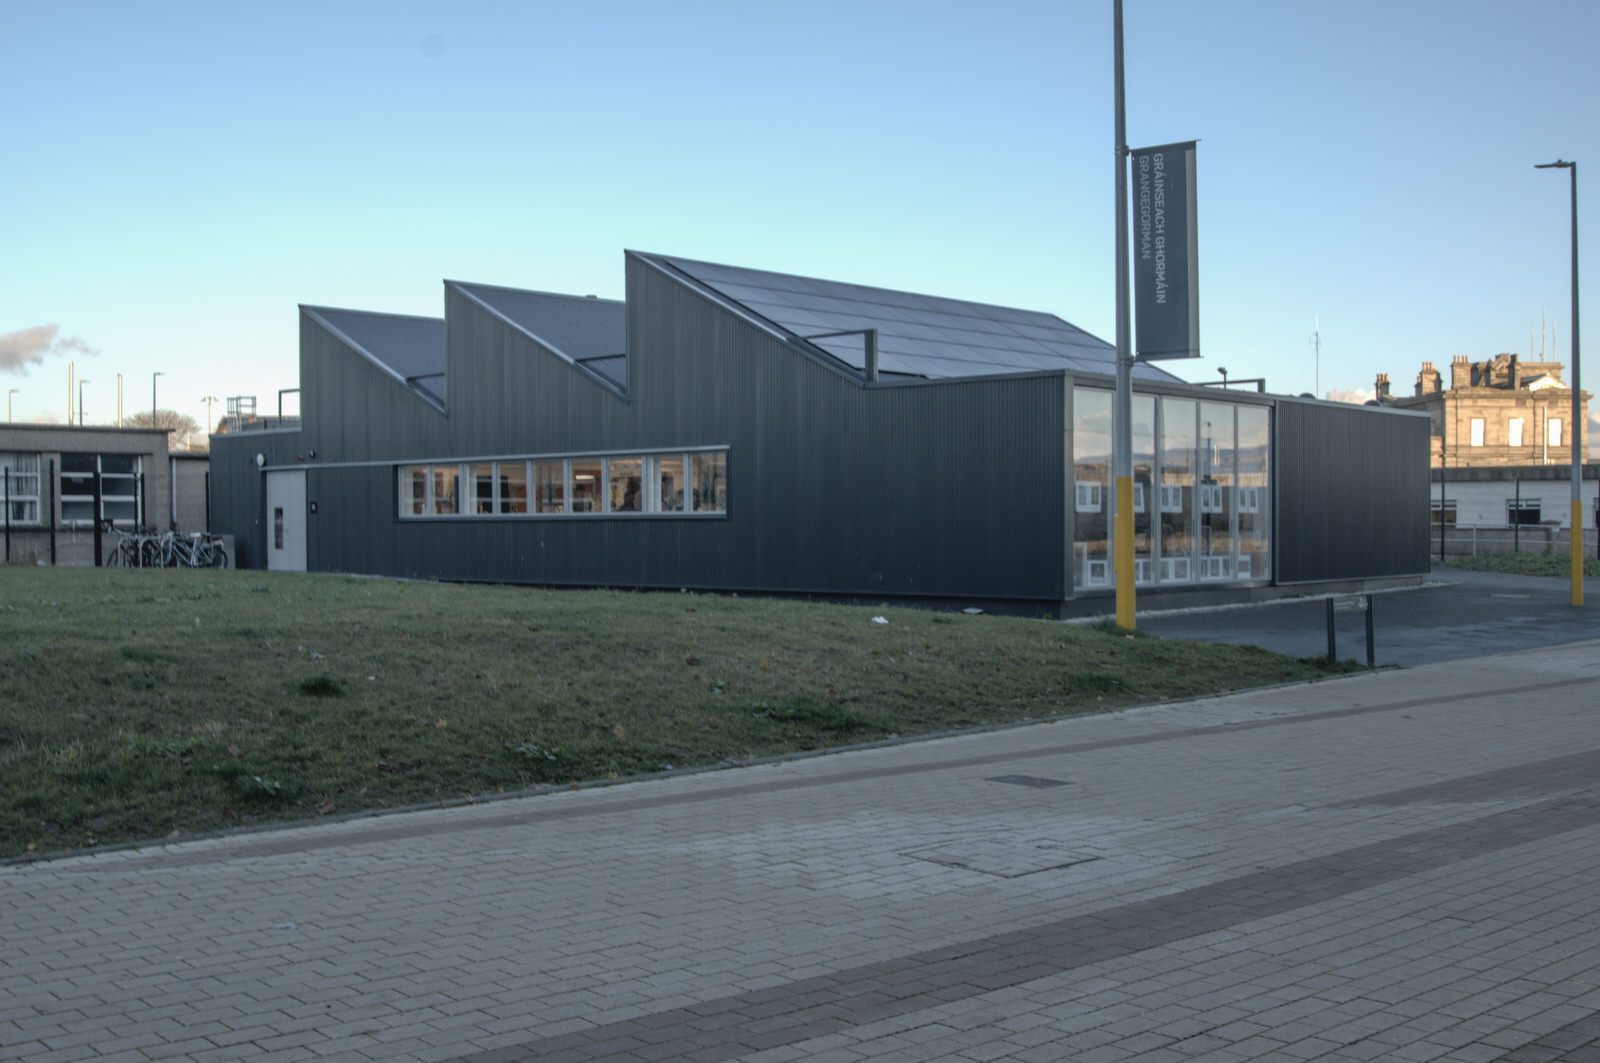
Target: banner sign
point(1165, 253)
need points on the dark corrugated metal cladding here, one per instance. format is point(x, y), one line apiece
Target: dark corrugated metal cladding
point(1352, 493)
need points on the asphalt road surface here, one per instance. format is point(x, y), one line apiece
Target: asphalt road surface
point(1457, 615)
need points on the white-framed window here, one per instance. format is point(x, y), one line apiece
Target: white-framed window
point(118, 478)
point(1553, 431)
point(1214, 567)
point(1242, 567)
point(1524, 510)
point(1141, 570)
point(413, 490)
point(625, 485)
point(588, 485)
point(494, 487)
point(1089, 496)
point(1514, 431)
point(666, 477)
point(21, 486)
point(550, 486)
point(1172, 498)
point(1138, 497)
point(668, 484)
point(511, 487)
point(1211, 498)
point(1175, 570)
point(445, 493)
point(1096, 573)
point(1477, 432)
point(1249, 499)
point(483, 488)
point(711, 482)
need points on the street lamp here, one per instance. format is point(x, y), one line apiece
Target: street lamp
point(1223, 370)
point(10, 392)
point(153, 399)
point(81, 381)
point(209, 400)
point(1576, 551)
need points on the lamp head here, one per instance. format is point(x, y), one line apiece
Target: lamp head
point(1559, 164)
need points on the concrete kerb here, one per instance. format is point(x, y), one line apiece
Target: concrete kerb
point(1155, 614)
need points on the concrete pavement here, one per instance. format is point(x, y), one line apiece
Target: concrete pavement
point(1399, 865)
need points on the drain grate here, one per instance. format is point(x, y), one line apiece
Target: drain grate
point(1028, 780)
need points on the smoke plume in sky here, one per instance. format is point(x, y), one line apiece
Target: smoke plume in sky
point(31, 346)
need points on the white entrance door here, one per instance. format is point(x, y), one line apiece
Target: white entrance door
point(286, 521)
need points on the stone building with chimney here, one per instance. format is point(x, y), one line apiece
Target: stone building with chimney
point(1501, 412)
point(1501, 442)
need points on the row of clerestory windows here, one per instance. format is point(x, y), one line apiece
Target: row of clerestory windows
point(675, 484)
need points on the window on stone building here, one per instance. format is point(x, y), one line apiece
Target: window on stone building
point(1477, 431)
point(1553, 428)
point(1514, 431)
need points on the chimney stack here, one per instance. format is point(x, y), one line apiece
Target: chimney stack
point(1428, 380)
point(1516, 374)
point(1460, 372)
point(1382, 387)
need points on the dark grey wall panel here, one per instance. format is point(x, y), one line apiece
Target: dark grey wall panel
point(945, 490)
point(237, 488)
point(1352, 489)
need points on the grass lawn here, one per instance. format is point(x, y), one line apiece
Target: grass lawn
point(1526, 564)
point(138, 704)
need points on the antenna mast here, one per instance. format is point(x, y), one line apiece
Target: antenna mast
point(1316, 349)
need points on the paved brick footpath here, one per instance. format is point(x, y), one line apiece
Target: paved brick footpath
point(1403, 865)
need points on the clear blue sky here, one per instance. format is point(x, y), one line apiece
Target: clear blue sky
point(180, 176)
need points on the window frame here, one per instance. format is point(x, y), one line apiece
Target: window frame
point(1089, 496)
point(1517, 511)
point(18, 497)
point(1477, 430)
point(650, 463)
point(98, 475)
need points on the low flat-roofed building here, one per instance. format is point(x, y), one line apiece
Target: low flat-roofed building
point(59, 475)
point(732, 429)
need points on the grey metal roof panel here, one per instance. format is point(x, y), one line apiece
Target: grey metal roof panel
point(920, 335)
point(410, 347)
point(576, 326)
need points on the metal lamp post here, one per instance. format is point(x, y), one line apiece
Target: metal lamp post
point(10, 392)
point(1122, 407)
point(153, 398)
point(81, 381)
point(1576, 551)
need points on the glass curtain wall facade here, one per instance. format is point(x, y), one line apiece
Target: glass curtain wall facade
point(1202, 485)
point(1091, 476)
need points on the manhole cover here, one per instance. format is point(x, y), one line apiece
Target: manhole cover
point(1028, 780)
point(1006, 857)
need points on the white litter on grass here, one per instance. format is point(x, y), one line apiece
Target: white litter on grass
point(880, 620)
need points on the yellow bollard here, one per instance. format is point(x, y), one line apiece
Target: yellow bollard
point(1122, 549)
